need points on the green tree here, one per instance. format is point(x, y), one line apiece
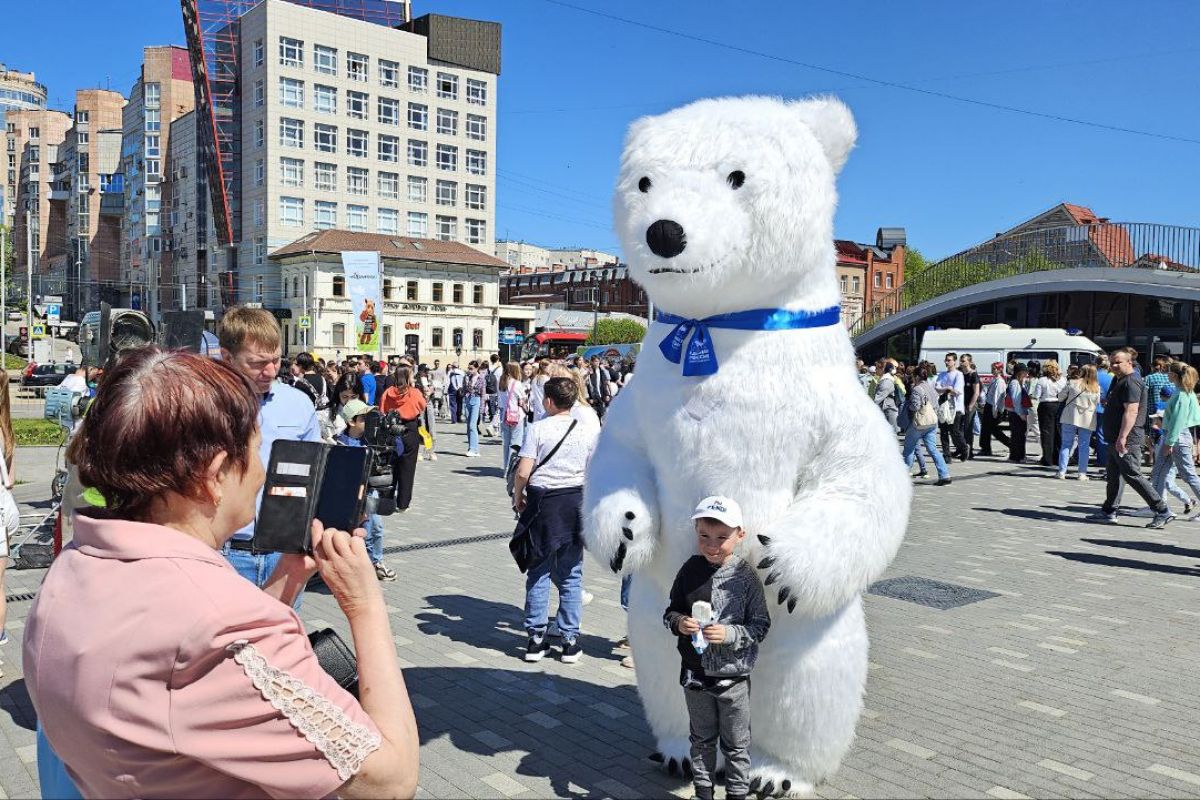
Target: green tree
point(617, 331)
point(914, 262)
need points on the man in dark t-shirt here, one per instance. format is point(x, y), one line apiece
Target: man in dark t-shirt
point(1124, 426)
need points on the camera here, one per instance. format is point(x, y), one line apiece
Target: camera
point(383, 431)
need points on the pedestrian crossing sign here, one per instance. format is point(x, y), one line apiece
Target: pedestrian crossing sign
point(39, 331)
point(304, 323)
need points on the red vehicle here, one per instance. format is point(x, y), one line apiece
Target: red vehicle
point(552, 344)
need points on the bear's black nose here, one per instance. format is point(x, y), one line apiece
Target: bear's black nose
point(666, 238)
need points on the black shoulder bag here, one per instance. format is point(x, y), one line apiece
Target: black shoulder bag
point(521, 544)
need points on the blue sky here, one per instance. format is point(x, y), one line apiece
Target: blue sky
point(950, 172)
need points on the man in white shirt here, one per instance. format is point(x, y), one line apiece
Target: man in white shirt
point(950, 385)
point(552, 464)
point(454, 383)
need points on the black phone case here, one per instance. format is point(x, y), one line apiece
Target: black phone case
point(343, 489)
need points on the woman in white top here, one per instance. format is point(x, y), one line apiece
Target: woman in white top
point(1080, 398)
point(1045, 394)
point(513, 398)
point(581, 411)
point(537, 390)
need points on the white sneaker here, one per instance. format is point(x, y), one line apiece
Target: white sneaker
point(472, 454)
point(1083, 476)
point(1062, 476)
point(587, 597)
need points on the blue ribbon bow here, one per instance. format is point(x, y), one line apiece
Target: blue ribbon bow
point(701, 357)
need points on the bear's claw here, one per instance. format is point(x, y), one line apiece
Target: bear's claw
point(618, 560)
point(656, 756)
point(627, 533)
point(767, 562)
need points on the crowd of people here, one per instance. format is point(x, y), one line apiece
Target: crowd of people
point(1102, 420)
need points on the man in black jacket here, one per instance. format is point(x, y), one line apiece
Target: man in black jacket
point(599, 392)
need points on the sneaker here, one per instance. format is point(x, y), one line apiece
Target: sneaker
point(571, 651)
point(1187, 512)
point(921, 475)
point(472, 454)
point(943, 482)
point(1195, 516)
point(1083, 476)
point(3, 637)
point(432, 456)
point(623, 644)
point(384, 573)
point(1161, 520)
point(586, 597)
point(627, 662)
point(536, 649)
point(1102, 516)
point(1062, 476)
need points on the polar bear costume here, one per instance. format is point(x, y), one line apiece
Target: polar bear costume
point(727, 206)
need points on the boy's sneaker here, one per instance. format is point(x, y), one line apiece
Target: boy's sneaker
point(3, 637)
point(1160, 520)
point(384, 573)
point(1102, 516)
point(571, 651)
point(536, 649)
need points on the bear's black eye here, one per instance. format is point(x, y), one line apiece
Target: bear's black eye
point(736, 178)
point(644, 185)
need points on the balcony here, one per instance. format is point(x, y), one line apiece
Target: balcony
point(112, 204)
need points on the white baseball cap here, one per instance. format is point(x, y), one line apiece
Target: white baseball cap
point(722, 509)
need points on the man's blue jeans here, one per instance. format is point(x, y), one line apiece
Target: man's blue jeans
point(472, 410)
point(565, 568)
point(255, 567)
point(374, 530)
point(1100, 443)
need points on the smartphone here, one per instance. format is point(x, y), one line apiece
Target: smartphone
point(343, 490)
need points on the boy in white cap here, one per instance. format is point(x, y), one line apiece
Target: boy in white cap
point(718, 652)
point(355, 414)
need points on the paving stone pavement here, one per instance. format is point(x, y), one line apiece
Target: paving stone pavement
point(1078, 679)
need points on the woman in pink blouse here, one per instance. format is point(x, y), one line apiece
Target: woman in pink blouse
point(155, 670)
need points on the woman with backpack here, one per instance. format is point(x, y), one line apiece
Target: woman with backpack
point(1080, 398)
point(920, 424)
point(513, 394)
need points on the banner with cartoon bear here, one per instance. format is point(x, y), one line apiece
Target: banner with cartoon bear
point(364, 284)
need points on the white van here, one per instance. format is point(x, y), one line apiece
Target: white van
point(1004, 343)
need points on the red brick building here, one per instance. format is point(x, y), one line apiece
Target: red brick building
point(867, 272)
point(577, 289)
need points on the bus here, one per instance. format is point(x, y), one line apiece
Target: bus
point(554, 344)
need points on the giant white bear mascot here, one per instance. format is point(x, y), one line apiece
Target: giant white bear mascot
point(746, 387)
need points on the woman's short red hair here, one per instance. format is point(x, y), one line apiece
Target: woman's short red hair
point(158, 420)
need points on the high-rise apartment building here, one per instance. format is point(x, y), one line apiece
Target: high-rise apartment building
point(33, 139)
point(163, 93)
point(19, 91)
point(190, 277)
point(344, 121)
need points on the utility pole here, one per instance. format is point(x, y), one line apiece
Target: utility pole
point(29, 282)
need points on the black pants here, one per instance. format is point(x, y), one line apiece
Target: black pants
point(989, 427)
point(1049, 431)
point(405, 466)
point(968, 430)
point(1129, 468)
point(1020, 430)
point(953, 431)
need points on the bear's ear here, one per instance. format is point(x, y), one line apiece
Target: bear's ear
point(832, 123)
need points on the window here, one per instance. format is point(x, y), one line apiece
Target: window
point(83, 137)
point(339, 286)
point(339, 331)
point(476, 197)
point(389, 74)
point(260, 135)
point(324, 99)
point(418, 226)
point(153, 146)
point(418, 117)
point(418, 189)
point(153, 167)
point(458, 290)
point(291, 171)
point(447, 122)
point(447, 157)
point(356, 180)
point(389, 185)
point(291, 93)
point(418, 80)
point(259, 53)
point(325, 137)
point(291, 52)
point(325, 59)
point(447, 231)
point(437, 336)
point(855, 286)
point(356, 143)
point(153, 122)
point(477, 294)
point(358, 105)
point(258, 288)
point(410, 291)
point(387, 335)
point(437, 293)
point(152, 94)
point(845, 283)
point(260, 172)
point(387, 221)
point(389, 148)
point(291, 211)
point(476, 231)
point(477, 339)
point(291, 132)
point(260, 251)
point(476, 127)
point(357, 67)
point(82, 117)
point(326, 215)
point(476, 92)
point(326, 177)
point(356, 218)
point(447, 86)
point(387, 288)
point(878, 279)
point(477, 162)
point(887, 279)
point(418, 153)
point(388, 109)
point(260, 93)
point(260, 212)
point(447, 193)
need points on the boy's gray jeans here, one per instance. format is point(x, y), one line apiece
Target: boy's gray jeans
point(720, 714)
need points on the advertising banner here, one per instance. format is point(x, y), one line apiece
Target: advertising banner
point(364, 284)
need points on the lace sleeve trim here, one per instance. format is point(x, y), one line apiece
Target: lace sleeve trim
point(344, 743)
